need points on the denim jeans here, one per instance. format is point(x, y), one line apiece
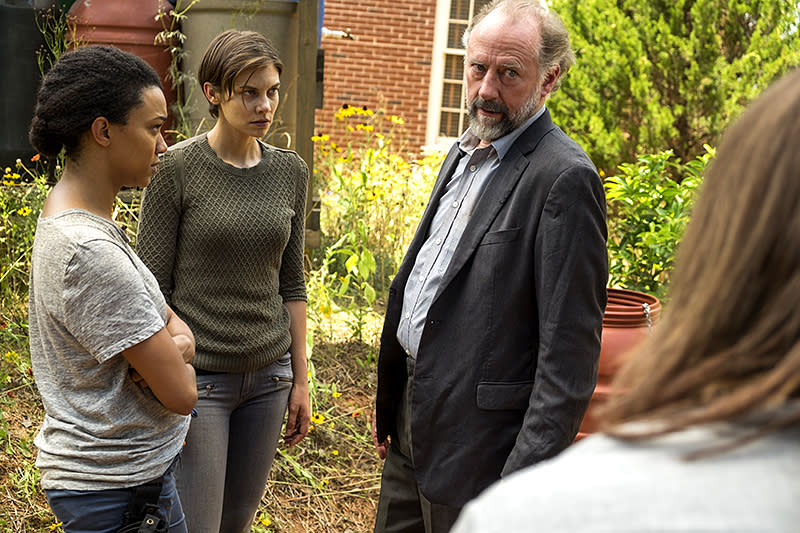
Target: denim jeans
point(230, 447)
point(101, 511)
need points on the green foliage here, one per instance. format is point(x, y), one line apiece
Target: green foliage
point(173, 39)
point(371, 201)
point(22, 194)
point(351, 292)
point(56, 31)
point(649, 205)
point(668, 74)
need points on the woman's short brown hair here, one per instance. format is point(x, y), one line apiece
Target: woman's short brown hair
point(231, 53)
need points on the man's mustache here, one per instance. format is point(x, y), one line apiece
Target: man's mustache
point(486, 105)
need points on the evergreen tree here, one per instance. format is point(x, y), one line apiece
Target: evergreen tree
point(668, 74)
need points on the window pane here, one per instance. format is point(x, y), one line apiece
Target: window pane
point(459, 9)
point(454, 33)
point(453, 117)
point(451, 95)
point(449, 124)
point(453, 67)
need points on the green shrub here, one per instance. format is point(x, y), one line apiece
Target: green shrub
point(371, 196)
point(22, 195)
point(649, 205)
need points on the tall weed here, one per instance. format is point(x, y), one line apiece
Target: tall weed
point(372, 196)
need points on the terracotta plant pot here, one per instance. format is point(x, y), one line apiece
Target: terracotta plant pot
point(628, 320)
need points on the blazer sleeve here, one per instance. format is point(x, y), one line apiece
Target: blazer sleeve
point(571, 273)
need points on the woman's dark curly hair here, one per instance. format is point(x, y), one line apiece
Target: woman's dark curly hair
point(86, 83)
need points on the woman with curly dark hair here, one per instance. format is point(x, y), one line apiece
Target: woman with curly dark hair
point(110, 358)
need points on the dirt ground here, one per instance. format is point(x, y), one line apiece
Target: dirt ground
point(327, 483)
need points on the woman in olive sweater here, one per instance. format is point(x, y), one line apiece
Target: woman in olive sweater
point(222, 229)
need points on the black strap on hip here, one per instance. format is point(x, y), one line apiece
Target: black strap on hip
point(141, 515)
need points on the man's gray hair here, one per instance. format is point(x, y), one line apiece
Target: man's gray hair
point(554, 47)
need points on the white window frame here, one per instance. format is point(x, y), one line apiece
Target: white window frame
point(434, 141)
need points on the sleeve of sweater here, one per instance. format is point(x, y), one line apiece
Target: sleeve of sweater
point(292, 276)
point(159, 222)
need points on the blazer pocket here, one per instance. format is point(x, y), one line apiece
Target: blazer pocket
point(503, 235)
point(504, 396)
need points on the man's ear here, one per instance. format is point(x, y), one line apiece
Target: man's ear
point(101, 131)
point(550, 80)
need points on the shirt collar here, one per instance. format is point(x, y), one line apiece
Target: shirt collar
point(468, 141)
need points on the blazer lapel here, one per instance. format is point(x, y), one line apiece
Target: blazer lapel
point(497, 191)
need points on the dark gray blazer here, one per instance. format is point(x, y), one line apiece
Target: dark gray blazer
point(507, 362)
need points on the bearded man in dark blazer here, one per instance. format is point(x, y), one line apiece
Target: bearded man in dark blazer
point(489, 350)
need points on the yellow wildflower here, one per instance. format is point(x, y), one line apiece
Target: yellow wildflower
point(24, 211)
point(11, 356)
point(53, 527)
point(337, 394)
point(264, 520)
point(334, 452)
point(317, 418)
point(325, 308)
point(345, 112)
point(396, 120)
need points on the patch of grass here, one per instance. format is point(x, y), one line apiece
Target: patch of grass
point(328, 483)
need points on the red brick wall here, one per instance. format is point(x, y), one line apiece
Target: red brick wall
point(387, 66)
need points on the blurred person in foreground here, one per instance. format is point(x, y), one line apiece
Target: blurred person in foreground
point(489, 349)
point(706, 435)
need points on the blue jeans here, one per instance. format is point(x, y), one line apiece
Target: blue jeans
point(101, 511)
point(230, 447)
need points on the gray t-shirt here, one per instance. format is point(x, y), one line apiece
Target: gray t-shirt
point(90, 299)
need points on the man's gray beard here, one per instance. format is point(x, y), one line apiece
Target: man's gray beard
point(505, 125)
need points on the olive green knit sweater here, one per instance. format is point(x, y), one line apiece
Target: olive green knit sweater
point(226, 246)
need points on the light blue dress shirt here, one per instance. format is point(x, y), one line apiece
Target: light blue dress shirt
point(473, 173)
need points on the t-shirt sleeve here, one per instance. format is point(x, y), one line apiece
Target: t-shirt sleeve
point(106, 305)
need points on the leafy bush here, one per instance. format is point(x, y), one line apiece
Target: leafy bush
point(22, 195)
point(649, 205)
point(371, 199)
point(658, 74)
